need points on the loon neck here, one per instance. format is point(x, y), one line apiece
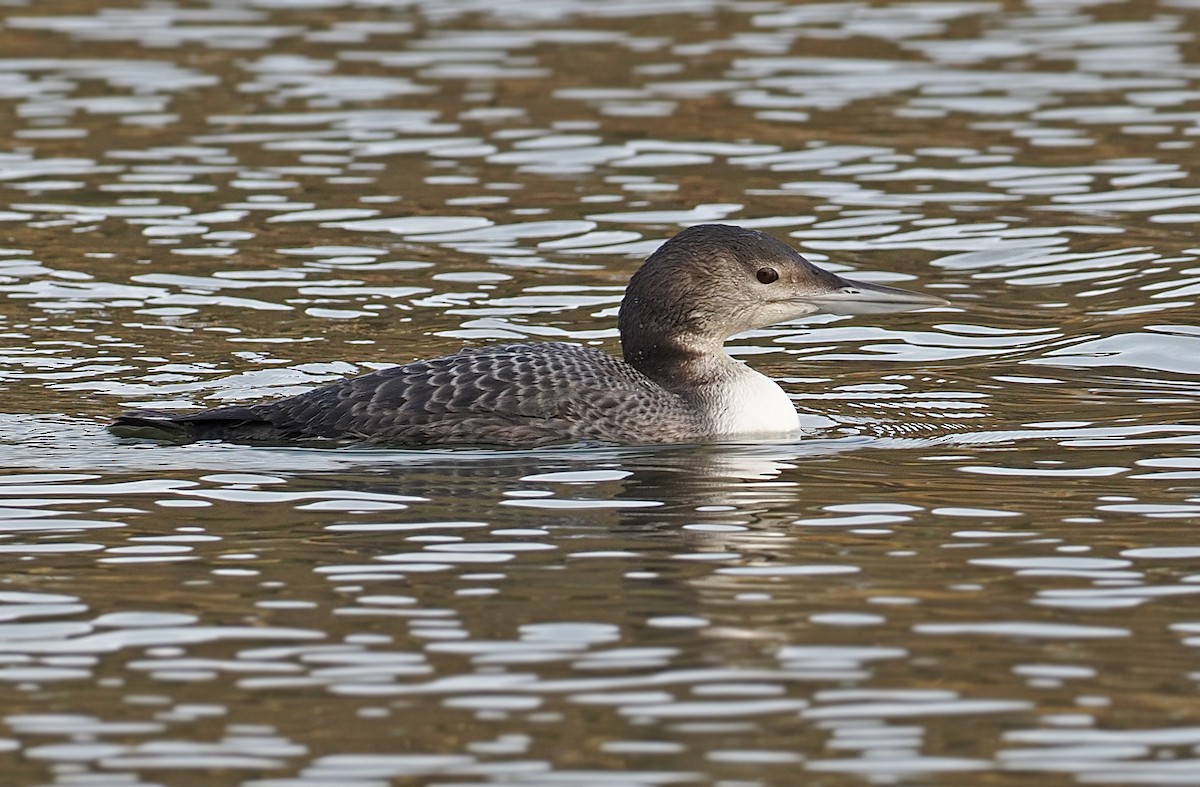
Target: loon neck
point(672, 344)
point(682, 364)
point(729, 396)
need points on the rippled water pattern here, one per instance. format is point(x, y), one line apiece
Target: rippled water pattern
point(980, 566)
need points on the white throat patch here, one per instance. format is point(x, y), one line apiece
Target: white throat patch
point(745, 402)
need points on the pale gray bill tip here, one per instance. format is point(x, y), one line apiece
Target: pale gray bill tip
point(860, 297)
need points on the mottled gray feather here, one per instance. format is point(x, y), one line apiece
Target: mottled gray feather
point(516, 394)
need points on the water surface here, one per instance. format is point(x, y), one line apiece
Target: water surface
point(978, 566)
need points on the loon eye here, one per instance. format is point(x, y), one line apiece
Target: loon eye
point(767, 275)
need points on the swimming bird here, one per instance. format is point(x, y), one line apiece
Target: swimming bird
point(676, 383)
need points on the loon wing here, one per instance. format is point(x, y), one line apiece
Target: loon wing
point(507, 395)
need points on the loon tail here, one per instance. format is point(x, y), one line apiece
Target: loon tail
point(171, 427)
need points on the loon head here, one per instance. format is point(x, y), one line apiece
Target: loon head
point(714, 280)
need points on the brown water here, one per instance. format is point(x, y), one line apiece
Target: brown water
point(979, 566)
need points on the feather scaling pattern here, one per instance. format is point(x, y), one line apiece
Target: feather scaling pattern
point(517, 394)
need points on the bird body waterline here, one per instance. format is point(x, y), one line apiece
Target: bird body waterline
point(675, 383)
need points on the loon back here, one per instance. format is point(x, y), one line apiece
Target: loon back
point(517, 394)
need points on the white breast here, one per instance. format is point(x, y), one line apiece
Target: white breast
point(746, 402)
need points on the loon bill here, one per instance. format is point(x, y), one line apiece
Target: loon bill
point(676, 384)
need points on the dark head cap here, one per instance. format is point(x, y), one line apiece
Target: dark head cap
point(714, 280)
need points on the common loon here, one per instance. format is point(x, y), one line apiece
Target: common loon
point(676, 384)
